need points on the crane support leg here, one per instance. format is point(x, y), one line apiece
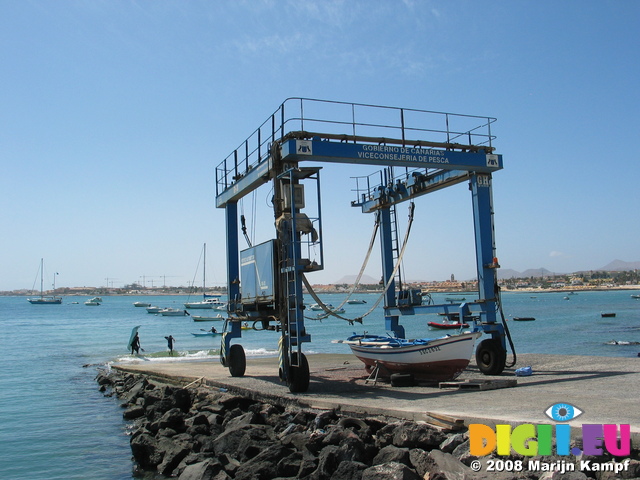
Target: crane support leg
point(386, 243)
point(491, 353)
point(233, 358)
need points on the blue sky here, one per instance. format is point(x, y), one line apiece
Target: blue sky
point(114, 114)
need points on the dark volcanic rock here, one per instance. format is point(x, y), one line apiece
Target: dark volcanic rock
point(390, 471)
point(264, 465)
point(145, 451)
point(244, 442)
point(209, 435)
point(444, 466)
point(391, 453)
point(131, 413)
point(173, 453)
point(204, 470)
point(417, 435)
point(173, 419)
point(348, 470)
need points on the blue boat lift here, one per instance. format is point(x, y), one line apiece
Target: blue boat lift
point(419, 152)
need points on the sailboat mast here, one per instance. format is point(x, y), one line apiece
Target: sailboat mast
point(42, 277)
point(204, 271)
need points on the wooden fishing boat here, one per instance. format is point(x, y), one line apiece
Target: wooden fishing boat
point(439, 359)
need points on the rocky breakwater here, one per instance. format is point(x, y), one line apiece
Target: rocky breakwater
point(204, 433)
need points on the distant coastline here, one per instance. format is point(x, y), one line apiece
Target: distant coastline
point(333, 289)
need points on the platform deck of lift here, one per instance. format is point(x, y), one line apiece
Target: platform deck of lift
point(604, 388)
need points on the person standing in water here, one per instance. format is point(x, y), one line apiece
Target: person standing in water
point(135, 344)
point(170, 341)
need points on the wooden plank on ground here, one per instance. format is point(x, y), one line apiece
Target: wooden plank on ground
point(480, 384)
point(445, 422)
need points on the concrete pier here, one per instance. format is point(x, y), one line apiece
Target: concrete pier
point(604, 388)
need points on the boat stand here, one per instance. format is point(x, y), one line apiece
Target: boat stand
point(373, 376)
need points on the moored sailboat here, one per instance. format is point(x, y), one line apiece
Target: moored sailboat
point(208, 301)
point(45, 299)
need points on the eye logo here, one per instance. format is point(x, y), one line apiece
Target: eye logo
point(563, 412)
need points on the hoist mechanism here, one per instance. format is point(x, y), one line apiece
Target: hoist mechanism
point(435, 150)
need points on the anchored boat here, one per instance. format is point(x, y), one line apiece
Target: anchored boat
point(208, 301)
point(448, 325)
point(173, 312)
point(44, 299)
point(206, 318)
point(439, 359)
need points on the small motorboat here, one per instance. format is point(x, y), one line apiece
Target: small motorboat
point(173, 312)
point(141, 304)
point(205, 318)
point(454, 299)
point(448, 325)
point(154, 309)
point(438, 359)
point(608, 315)
point(635, 296)
point(356, 302)
point(208, 333)
point(523, 319)
point(209, 302)
point(94, 302)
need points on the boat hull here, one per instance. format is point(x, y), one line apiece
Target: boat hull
point(439, 360)
point(45, 301)
point(206, 305)
point(203, 318)
point(170, 312)
point(448, 326)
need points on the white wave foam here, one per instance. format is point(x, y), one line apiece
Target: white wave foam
point(179, 356)
point(260, 352)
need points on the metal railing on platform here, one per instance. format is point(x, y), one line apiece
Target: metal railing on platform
point(351, 122)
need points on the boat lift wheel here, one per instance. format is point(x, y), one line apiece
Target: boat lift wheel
point(491, 357)
point(299, 376)
point(237, 361)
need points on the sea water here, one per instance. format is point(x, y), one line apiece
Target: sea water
point(55, 424)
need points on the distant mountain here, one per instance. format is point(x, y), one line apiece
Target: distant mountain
point(615, 266)
point(539, 272)
point(506, 273)
point(350, 279)
point(532, 272)
point(620, 266)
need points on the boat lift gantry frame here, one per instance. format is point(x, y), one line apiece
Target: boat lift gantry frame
point(435, 150)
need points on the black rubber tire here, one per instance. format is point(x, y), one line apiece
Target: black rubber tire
point(491, 358)
point(237, 361)
point(402, 380)
point(299, 376)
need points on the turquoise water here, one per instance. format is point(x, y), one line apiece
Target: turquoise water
point(55, 424)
